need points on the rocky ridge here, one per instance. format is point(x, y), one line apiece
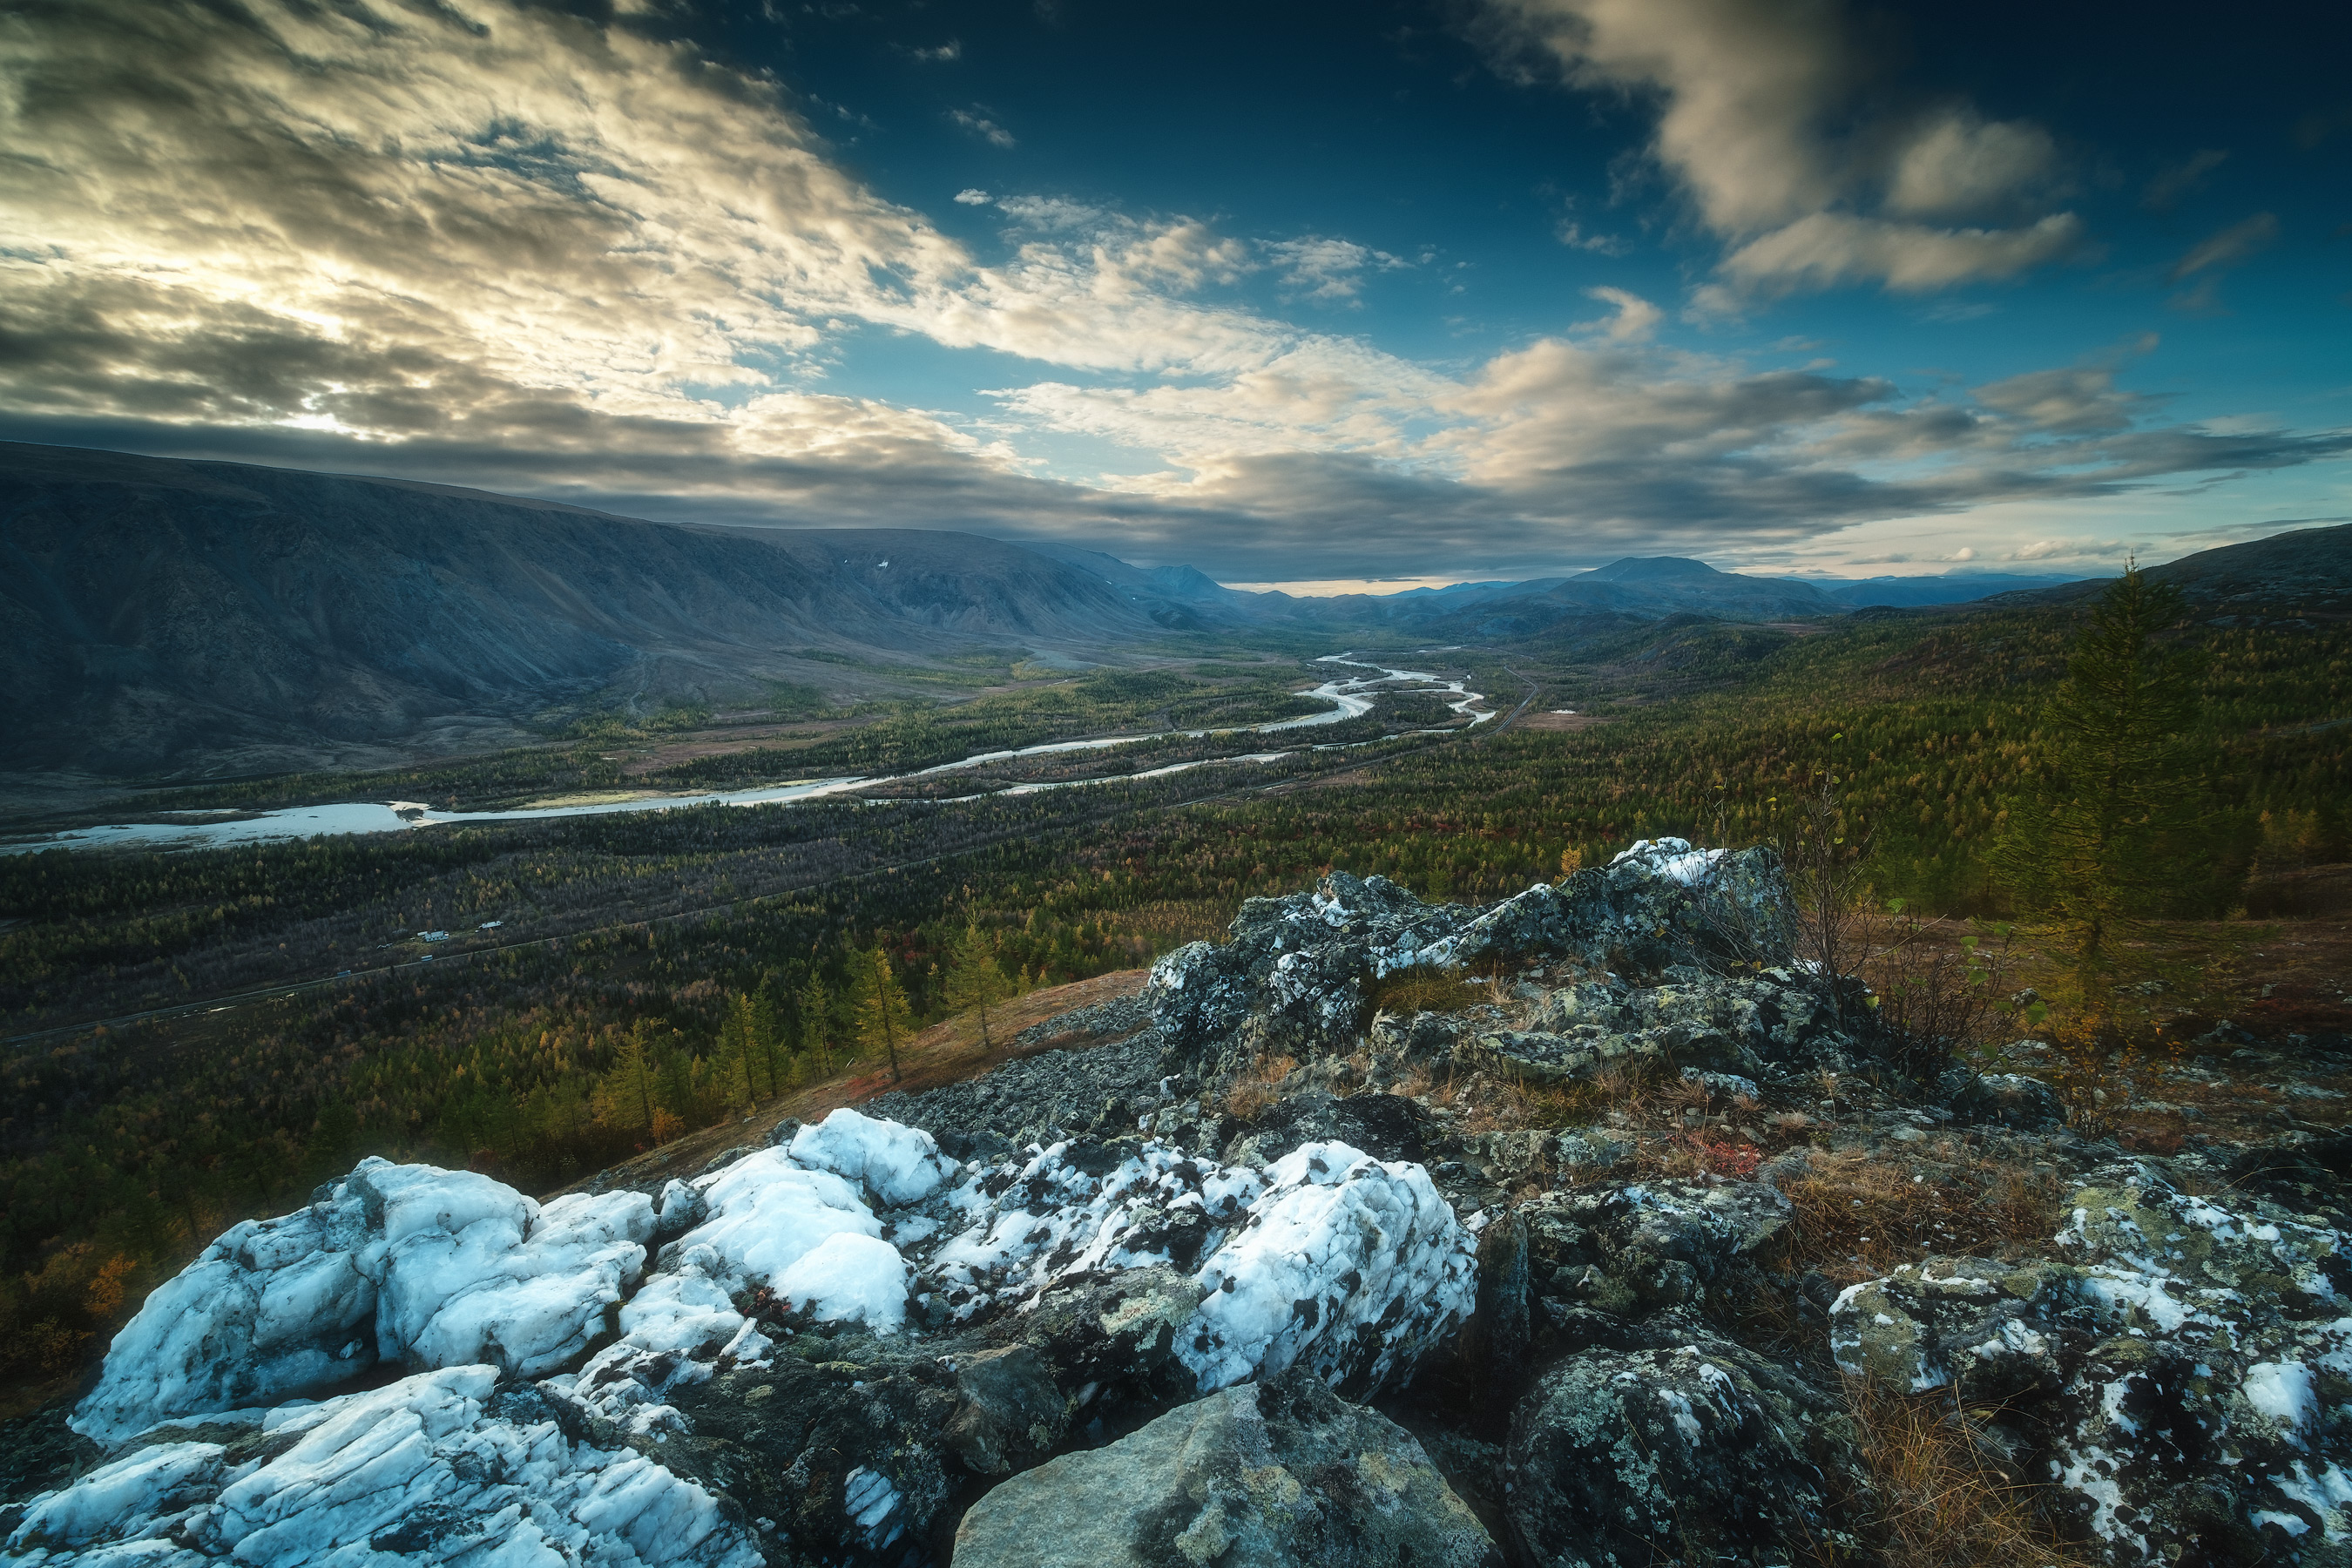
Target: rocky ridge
point(1281, 1273)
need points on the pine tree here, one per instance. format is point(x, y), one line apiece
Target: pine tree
point(975, 980)
point(881, 1007)
point(2110, 835)
point(816, 1005)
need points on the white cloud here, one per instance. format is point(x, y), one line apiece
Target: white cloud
point(1766, 121)
point(1825, 249)
point(1635, 319)
point(1573, 235)
point(2044, 548)
point(2229, 247)
point(980, 120)
point(528, 252)
point(1321, 268)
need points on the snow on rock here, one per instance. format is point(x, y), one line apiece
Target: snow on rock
point(1349, 1265)
point(2170, 1366)
point(1074, 1207)
point(1329, 1258)
point(1673, 860)
point(478, 1272)
point(401, 1263)
point(900, 1165)
point(848, 1277)
point(765, 1210)
point(431, 1470)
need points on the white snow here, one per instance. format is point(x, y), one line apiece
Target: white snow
point(413, 1472)
point(1673, 860)
point(450, 1266)
point(1337, 1243)
point(849, 1278)
point(766, 1212)
point(2281, 1391)
point(900, 1165)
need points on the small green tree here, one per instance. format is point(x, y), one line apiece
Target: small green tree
point(2108, 838)
point(760, 1019)
point(815, 1006)
point(975, 980)
point(881, 1007)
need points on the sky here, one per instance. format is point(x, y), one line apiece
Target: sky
point(1385, 293)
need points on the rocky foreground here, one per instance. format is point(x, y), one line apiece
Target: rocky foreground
point(1299, 1266)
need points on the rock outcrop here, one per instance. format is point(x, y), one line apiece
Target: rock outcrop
point(1539, 1280)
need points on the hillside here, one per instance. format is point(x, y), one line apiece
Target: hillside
point(213, 616)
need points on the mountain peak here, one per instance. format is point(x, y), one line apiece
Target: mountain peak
point(1652, 569)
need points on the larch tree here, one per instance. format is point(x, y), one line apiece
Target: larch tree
point(882, 1008)
point(2109, 836)
point(975, 980)
point(815, 1006)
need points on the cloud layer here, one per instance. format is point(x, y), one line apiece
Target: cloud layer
point(1767, 119)
point(510, 247)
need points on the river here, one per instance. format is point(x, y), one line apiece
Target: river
point(1350, 696)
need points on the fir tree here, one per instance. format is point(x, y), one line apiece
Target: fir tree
point(975, 980)
point(2109, 837)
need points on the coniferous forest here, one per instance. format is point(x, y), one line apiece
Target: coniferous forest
point(598, 985)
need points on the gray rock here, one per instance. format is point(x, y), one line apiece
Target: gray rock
point(1694, 1454)
point(2010, 1100)
point(1275, 1475)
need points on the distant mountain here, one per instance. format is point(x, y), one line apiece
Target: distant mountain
point(1954, 588)
point(1177, 596)
point(2305, 571)
point(157, 615)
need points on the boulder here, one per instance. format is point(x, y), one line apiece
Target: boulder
point(2010, 1100)
point(1699, 1453)
point(1281, 1474)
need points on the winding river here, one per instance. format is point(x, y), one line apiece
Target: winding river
point(1350, 696)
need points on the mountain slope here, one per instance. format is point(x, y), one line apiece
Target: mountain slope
point(159, 613)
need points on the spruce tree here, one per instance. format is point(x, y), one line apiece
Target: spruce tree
point(975, 980)
point(2110, 836)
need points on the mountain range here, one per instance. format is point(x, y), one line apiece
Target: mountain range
point(169, 618)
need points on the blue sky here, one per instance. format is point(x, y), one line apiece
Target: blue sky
point(1328, 293)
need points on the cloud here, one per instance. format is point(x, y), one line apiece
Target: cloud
point(1635, 319)
point(1573, 235)
point(939, 54)
point(2043, 548)
point(2184, 179)
point(979, 121)
point(1768, 120)
point(2227, 248)
point(526, 251)
point(1826, 250)
point(1320, 268)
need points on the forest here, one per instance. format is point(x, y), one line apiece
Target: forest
point(652, 972)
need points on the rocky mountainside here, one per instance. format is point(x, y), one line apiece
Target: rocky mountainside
point(157, 613)
point(1290, 1270)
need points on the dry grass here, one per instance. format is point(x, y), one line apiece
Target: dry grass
point(1260, 1087)
point(1423, 989)
point(1857, 1216)
point(1942, 1498)
point(944, 1053)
